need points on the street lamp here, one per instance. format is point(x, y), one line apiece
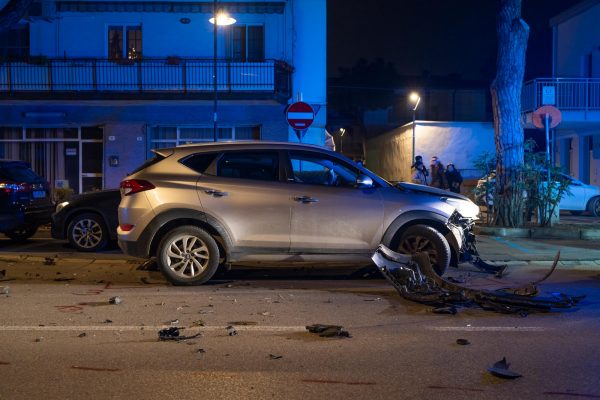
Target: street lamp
point(219, 18)
point(342, 132)
point(415, 99)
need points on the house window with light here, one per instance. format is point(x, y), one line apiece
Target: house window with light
point(124, 42)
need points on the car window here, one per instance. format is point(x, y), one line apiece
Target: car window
point(322, 170)
point(18, 172)
point(258, 165)
point(199, 162)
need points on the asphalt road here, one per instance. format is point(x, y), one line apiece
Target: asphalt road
point(61, 339)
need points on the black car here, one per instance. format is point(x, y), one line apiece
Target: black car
point(25, 201)
point(89, 220)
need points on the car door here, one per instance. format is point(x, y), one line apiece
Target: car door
point(242, 190)
point(576, 199)
point(330, 214)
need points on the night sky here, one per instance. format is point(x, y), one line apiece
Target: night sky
point(438, 36)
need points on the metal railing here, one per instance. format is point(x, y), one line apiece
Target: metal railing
point(573, 94)
point(185, 75)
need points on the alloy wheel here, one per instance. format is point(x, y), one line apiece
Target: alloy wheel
point(87, 233)
point(187, 256)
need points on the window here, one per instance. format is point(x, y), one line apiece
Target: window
point(322, 170)
point(247, 43)
point(14, 43)
point(199, 162)
point(131, 49)
point(263, 166)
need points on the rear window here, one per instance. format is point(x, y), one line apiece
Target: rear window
point(19, 172)
point(263, 166)
point(147, 163)
point(199, 162)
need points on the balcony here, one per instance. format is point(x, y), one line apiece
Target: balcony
point(148, 78)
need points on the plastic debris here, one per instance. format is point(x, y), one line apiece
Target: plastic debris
point(500, 369)
point(174, 334)
point(5, 290)
point(82, 334)
point(328, 330)
point(173, 322)
point(274, 357)
point(231, 330)
point(108, 321)
point(115, 300)
point(462, 342)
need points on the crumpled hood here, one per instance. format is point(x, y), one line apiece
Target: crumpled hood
point(414, 187)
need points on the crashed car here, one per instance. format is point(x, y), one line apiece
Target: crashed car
point(194, 207)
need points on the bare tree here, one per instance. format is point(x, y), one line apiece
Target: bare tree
point(12, 11)
point(506, 103)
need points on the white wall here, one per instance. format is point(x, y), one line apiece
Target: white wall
point(390, 156)
point(578, 37)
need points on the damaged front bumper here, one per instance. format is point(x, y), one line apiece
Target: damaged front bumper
point(415, 280)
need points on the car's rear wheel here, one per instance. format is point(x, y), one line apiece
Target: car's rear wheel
point(188, 255)
point(87, 233)
point(22, 234)
point(423, 238)
point(594, 206)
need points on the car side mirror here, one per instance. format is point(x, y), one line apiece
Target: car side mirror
point(364, 182)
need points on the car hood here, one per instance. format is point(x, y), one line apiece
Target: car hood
point(414, 187)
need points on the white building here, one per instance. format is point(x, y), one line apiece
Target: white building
point(88, 87)
point(576, 87)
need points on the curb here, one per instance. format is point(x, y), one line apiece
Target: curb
point(539, 233)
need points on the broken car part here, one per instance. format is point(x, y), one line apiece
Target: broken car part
point(174, 334)
point(328, 330)
point(500, 369)
point(415, 280)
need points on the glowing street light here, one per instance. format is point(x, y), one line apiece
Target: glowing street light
point(415, 99)
point(222, 19)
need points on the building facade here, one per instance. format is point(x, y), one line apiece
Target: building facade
point(88, 88)
point(574, 89)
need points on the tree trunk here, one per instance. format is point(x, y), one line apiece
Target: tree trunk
point(12, 12)
point(506, 104)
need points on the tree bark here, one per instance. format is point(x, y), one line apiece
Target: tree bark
point(12, 12)
point(506, 88)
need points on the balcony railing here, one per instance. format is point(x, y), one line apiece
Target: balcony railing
point(571, 94)
point(170, 75)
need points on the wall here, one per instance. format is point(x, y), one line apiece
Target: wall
point(577, 37)
point(389, 154)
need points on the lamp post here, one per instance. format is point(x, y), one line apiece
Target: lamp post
point(219, 18)
point(415, 99)
point(342, 132)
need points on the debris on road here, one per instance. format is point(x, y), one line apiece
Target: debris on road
point(115, 300)
point(231, 330)
point(451, 310)
point(63, 279)
point(328, 330)
point(243, 323)
point(274, 357)
point(462, 342)
point(198, 323)
point(49, 261)
point(107, 321)
point(82, 334)
point(174, 334)
point(500, 369)
point(5, 290)
point(172, 322)
point(415, 279)
point(200, 351)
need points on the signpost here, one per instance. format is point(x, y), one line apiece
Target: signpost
point(300, 116)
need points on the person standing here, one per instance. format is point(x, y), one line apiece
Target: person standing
point(454, 178)
point(438, 176)
point(420, 174)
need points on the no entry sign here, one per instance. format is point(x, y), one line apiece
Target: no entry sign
point(300, 115)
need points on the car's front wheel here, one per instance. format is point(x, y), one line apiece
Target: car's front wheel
point(22, 234)
point(87, 233)
point(594, 206)
point(188, 255)
point(423, 238)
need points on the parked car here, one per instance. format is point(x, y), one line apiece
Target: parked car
point(581, 197)
point(25, 201)
point(89, 220)
point(193, 205)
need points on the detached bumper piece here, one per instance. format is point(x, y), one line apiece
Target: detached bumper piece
point(415, 280)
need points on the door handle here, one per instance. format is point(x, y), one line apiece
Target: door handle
point(305, 199)
point(215, 193)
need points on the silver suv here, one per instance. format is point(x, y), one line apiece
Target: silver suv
point(195, 207)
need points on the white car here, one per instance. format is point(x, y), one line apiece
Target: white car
point(582, 197)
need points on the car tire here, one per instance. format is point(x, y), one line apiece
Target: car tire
point(87, 233)
point(594, 206)
point(423, 238)
point(188, 255)
point(21, 235)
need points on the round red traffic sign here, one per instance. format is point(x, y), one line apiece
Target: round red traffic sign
point(300, 115)
point(539, 116)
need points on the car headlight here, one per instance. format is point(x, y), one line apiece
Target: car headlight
point(466, 208)
point(62, 205)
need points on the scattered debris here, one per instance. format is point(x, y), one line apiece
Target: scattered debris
point(500, 369)
point(82, 334)
point(462, 342)
point(5, 290)
point(414, 278)
point(148, 265)
point(373, 299)
point(63, 279)
point(173, 322)
point(451, 310)
point(266, 313)
point(198, 323)
point(107, 321)
point(231, 330)
point(39, 339)
point(174, 334)
point(49, 261)
point(115, 300)
point(243, 323)
point(328, 330)
point(229, 285)
point(274, 357)
point(200, 350)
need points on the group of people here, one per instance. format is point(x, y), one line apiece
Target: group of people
point(438, 176)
